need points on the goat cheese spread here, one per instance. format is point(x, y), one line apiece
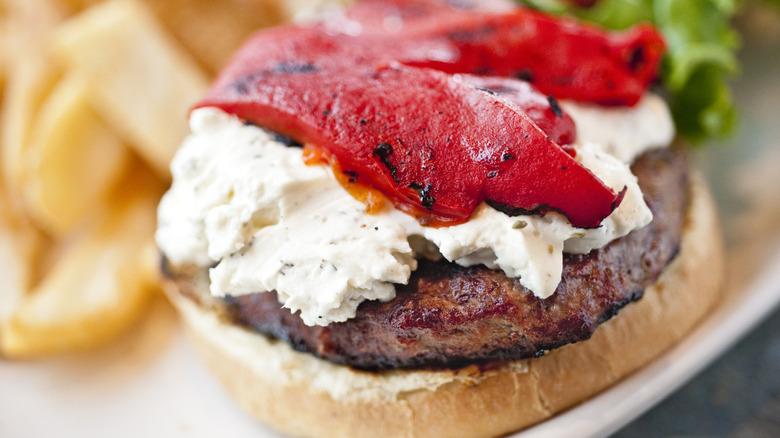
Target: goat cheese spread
point(246, 206)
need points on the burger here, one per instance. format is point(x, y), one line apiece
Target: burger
point(435, 218)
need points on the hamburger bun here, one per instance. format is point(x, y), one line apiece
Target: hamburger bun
point(302, 395)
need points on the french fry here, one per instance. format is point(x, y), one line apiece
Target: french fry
point(97, 289)
point(140, 79)
point(75, 94)
point(228, 22)
point(77, 5)
point(3, 48)
point(19, 247)
point(30, 74)
point(72, 161)
point(4, 59)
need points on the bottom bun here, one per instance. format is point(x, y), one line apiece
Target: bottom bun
point(302, 395)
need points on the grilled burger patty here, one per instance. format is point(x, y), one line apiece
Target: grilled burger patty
point(450, 316)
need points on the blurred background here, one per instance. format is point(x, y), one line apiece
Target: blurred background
point(94, 102)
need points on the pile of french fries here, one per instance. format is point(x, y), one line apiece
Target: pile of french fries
point(94, 99)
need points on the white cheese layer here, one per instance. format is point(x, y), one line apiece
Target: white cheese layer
point(248, 206)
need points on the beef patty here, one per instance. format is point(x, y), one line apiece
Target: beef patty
point(450, 316)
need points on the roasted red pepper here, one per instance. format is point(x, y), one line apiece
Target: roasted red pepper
point(543, 110)
point(431, 141)
point(559, 56)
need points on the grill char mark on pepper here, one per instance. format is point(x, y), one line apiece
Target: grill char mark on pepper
point(383, 152)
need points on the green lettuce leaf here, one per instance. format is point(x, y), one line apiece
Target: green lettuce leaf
point(700, 59)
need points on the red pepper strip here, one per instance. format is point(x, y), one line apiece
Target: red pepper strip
point(544, 111)
point(560, 56)
point(421, 136)
point(295, 49)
